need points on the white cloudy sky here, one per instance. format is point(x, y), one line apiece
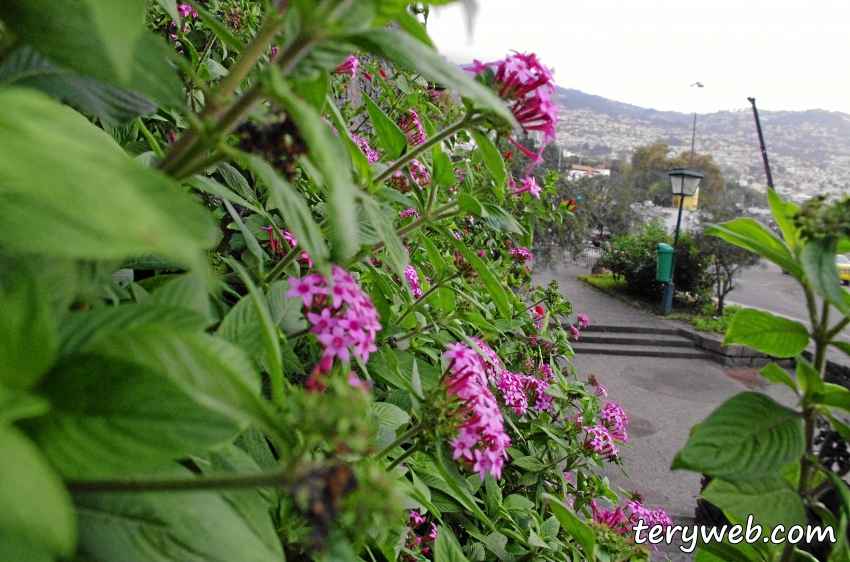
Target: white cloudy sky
point(788, 55)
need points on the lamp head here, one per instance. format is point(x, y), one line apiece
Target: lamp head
point(684, 182)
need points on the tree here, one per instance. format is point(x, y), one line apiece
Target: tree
point(648, 172)
point(727, 260)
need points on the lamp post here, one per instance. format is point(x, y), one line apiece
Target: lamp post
point(684, 183)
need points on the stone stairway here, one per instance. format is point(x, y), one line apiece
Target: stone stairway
point(636, 341)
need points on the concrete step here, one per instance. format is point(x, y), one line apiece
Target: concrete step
point(585, 348)
point(614, 338)
point(632, 330)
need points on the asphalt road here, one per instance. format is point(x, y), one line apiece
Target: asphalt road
point(766, 287)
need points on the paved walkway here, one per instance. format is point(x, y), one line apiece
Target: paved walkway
point(663, 398)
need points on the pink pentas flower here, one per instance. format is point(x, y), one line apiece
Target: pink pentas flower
point(413, 279)
point(363, 144)
point(599, 440)
point(623, 519)
point(582, 320)
point(412, 127)
point(616, 420)
point(527, 86)
point(529, 184)
point(341, 315)
point(185, 9)
point(520, 253)
point(349, 67)
point(574, 333)
point(482, 441)
point(411, 212)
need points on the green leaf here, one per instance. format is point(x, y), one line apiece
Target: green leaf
point(186, 292)
point(749, 436)
point(80, 329)
point(518, 503)
point(843, 346)
point(113, 418)
point(783, 214)
point(491, 283)
point(770, 500)
point(754, 236)
point(776, 374)
point(435, 258)
point(498, 219)
point(250, 240)
point(469, 204)
point(28, 340)
point(285, 311)
point(834, 396)
point(170, 7)
point(113, 105)
point(810, 381)
point(215, 373)
point(459, 486)
point(819, 264)
point(390, 137)
point(295, 211)
point(446, 548)
point(37, 508)
point(443, 173)
point(380, 217)
point(532, 464)
point(330, 157)
point(156, 527)
point(87, 199)
point(407, 52)
point(767, 333)
point(18, 404)
point(573, 526)
point(492, 158)
point(390, 415)
point(103, 39)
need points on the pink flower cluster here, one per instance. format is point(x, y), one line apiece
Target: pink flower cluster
point(622, 520)
point(278, 247)
point(616, 420)
point(582, 320)
point(371, 155)
point(183, 10)
point(413, 278)
point(415, 542)
point(482, 441)
point(520, 253)
point(523, 80)
point(529, 184)
point(517, 389)
point(342, 315)
point(493, 367)
point(412, 127)
point(600, 390)
point(599, 440)
point(348, 67)
point(418, 172)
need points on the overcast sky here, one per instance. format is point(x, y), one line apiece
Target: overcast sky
point(788, 55)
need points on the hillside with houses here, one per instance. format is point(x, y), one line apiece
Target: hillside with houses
point(809, 150)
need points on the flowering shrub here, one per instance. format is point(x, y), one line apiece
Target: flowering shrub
point(269, 295)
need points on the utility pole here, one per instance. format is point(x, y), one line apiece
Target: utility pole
point(761, 145)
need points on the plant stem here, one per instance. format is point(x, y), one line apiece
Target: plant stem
point(276, 478)
point(439, 137)
point(433, 288)
point(404, 455)
point(281, 266)
point(154, 144)
point(409, 434)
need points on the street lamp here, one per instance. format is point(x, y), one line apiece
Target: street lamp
point(684, 183)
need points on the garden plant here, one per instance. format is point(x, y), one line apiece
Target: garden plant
point(784, 466)
point(264, 295)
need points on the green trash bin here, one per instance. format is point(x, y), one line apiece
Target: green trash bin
point(664, 263)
